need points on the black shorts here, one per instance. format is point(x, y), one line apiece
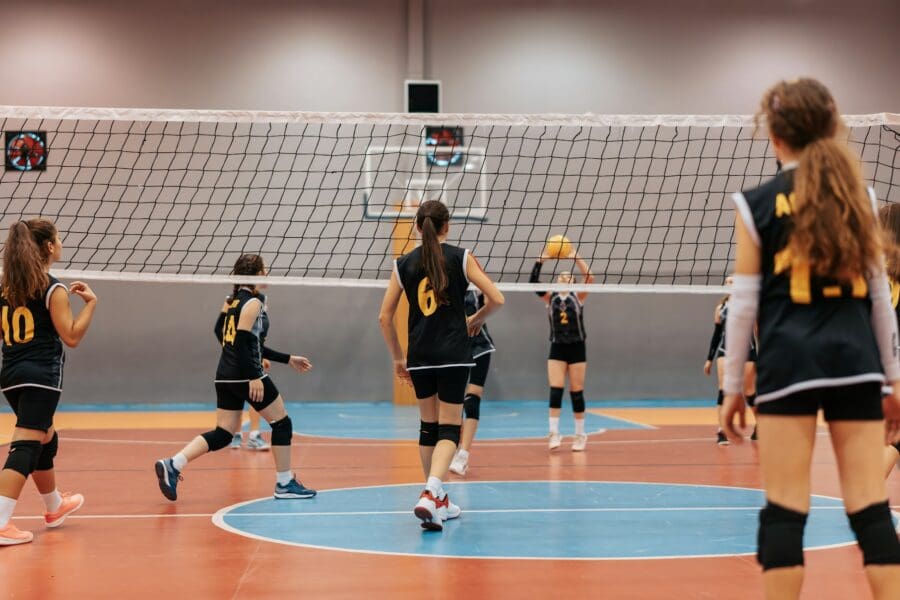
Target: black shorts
point(34, 406)
point(859, 402)
point(478, 374)
point(568, 353)
point(232, 395)
point(449, 383)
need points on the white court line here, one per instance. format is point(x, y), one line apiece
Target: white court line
point(178, 516)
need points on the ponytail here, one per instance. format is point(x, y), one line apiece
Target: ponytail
point(431, 219)
point(246, 264)
point(834, 223)
point(25, 260)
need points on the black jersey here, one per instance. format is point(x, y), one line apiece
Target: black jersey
point(33, 354)
point(813, 332)
point(481, 343)
point(723, 318)
point(566, 314)
point(438, 336)
point(229, 369)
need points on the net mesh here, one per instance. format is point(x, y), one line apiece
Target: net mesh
point(162, 193)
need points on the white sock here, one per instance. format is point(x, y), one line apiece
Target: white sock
point(7, 506)
point(554, 424)
point(179, 461)
point(579, 426)
point(254, 433)
point(52, 501)
point(435, 486)
point(463, 455)
point(284, 477)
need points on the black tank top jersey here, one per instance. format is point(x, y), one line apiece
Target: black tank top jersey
point(481, 343)
point(229, 369)
point(813, 333)
point(723, 318)
point(33, 354)
point(437, 334)
point(566, 315)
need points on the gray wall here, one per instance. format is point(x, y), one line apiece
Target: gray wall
point(154, 343)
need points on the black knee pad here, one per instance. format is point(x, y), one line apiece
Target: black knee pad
point(449, 432)
point(556, 395)
point(780, 538)
point(472, 406)
point(751, 400)
point(875, 534)
point(577, 402)
point(48, 453)
point(721, 398)
point(428, 434)
point(282, 432)
point(217, 439)
point(23, 456)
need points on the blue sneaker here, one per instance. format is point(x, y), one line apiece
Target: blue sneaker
point(168, 477)
point(294, 489)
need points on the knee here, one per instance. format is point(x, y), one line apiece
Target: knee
point(218, 438)
point(875, 534)
point(282, 431)
point(48, 453)
point(449, 432)
point(472, 406)
point(577, 401)
point(428, 433)
point(556, 396)
point(24, 456)
point(780, 537)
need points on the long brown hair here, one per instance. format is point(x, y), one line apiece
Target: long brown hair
point(431, 218)
point(890, 223)
point(834, 228)
point(246, 264)
point(25, 258)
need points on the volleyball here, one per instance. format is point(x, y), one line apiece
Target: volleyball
point(559, 246)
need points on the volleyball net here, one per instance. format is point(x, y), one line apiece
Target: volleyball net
point(163, 195)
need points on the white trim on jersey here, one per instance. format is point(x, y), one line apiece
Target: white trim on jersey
point(747, 216)
point(396, 272)
point(37, 385)
point(480, 354)
point(238, 380)
point(812, 384)
point(873, 198)
point(466, 265)
point(50, 291)
point(440, 366)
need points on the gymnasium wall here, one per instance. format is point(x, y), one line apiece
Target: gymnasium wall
point(154, 343)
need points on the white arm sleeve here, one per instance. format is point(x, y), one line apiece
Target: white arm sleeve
point(884, 323)
point(742, 309)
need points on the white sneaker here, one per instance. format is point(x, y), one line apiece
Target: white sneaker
point(255, 442)
point(554, 440)
point(459, 465)
point(579, 443)
point(447, 510)
point(236, 441)
point(426, 510)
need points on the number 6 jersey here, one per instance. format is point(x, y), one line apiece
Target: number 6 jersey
point(437, 333)
point(32, 351)
point(813, 332)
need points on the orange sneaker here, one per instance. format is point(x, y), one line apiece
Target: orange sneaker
point(12, 535)
point(70, 503)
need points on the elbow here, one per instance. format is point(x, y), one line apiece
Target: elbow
point(71, 342)
point(500, 300)
point(385, 320)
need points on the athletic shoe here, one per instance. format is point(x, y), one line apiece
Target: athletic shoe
point(236, 441)
point(293, 490)
point(459, 465)
point(12, 535)
point(553, 440)
point(255, 442)
point(753, 437)
point(446, 509)
point(579, 443)
point(168, 477)
point(427, 511)
point(721, 439)
point(70, 503)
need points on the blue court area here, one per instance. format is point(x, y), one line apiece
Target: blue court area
point(533, 520)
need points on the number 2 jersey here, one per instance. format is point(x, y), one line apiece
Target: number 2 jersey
point(33, 354)
point(230, 369)
point(482, 343)
point(566, 314)
point(813, 332)
point(438, 336)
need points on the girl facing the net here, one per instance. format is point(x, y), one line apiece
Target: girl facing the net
point(434, 278)
point(810, 266)
point(36, 321)
point(241, 328)
point(568, 354)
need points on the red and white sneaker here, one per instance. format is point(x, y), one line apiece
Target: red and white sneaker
point(12, 535)
point(427, 510)
point(447, 510)
point(70, 503)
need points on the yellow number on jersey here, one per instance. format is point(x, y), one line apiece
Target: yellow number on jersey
point(21, 327)
point(229, 332)
point(427, 301)
point(801, 280)
point(895, 293)
point(564, 317)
